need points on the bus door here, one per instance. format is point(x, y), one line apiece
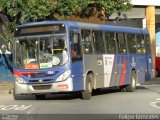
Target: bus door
point(141, 58)
point(76, 58)
point(110, 59)
point(149, 72)
point(122, 58)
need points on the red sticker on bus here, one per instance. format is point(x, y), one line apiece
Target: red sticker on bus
point(32, 66)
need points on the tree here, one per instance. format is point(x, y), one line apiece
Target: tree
point(22, 11)
point(88, 8)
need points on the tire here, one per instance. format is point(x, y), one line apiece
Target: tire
point(87, 93)
point(132, 86)
point(40, 96)
point(123, 88)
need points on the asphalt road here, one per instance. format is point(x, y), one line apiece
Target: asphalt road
point(145, 100)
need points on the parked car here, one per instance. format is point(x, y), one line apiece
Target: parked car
point(157, 65)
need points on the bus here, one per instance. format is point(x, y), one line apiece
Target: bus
point(68, 57)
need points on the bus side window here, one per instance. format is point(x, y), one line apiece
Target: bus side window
point(148, 48)
point(98, 41)
point(141, 47)
point(75, 46)
point(121, 43)
point(131, 43)
point(87, 40)
point(110, 38)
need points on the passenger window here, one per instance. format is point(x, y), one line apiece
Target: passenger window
point(110, 38)
point(141, 47)
point(98, 41)
point(121, 43)
point(131, 40)
point(87, 41)
point(75, 46)
point(148, 44)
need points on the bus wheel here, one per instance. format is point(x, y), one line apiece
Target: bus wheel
point(132, 86)
point(123, 88)
point(87, 94)
point(40, 96)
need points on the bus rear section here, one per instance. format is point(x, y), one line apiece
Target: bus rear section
point(116, 59)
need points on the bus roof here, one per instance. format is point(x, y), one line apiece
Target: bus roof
point(77, 25)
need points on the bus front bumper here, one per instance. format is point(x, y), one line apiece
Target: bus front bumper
point(64, 86)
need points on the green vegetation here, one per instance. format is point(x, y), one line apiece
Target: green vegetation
point(22, 11)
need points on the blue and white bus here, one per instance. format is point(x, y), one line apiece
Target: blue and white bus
point(67, 56)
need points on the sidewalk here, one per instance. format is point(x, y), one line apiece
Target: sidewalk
point(151, 82)
point(6, 87)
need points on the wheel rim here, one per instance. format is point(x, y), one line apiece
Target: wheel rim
point(133, 81)
point(89, 87)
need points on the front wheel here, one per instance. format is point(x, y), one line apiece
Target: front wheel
point(87, 93)
point(132, 86)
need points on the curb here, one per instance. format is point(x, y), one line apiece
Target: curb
point(6, 87)
point(6, 91)
point(152, 82)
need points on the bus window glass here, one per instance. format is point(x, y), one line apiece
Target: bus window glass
point(75, 46)
point(131, 43)
point(121, 43)
point(40, 53)
point(148, 44)
point(141, 49)
point(110, 39)
point(87, 39)
point(26, 51)
point(98, 41)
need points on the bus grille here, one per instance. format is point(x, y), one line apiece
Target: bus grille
point(39, 75)
point(38, 81)
point(41, 87)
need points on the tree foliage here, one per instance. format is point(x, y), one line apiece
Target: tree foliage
point(22, 11)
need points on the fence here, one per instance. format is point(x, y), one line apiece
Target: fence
point(6, 68)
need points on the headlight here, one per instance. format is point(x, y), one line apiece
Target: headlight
point(64, 76)
point(19, 79)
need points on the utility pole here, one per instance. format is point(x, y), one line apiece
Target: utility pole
point(150, 21)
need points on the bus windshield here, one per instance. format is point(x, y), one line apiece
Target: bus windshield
point(41, 52)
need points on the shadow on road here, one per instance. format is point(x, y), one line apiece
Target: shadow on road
point(77, 95)
point(70, 96)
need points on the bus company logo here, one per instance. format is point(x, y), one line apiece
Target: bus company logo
point(29, 76)
point(133, 63)
point(40, 81)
